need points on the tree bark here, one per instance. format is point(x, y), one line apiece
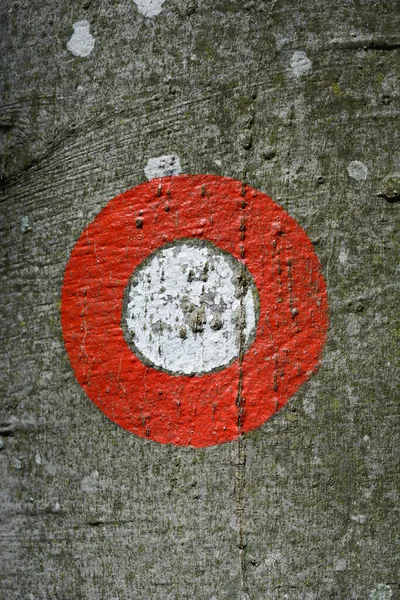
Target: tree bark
point(299, 100)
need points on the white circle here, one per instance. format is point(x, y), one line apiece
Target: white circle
point(190, 308)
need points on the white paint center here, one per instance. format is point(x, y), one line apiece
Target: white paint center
point(190, 308)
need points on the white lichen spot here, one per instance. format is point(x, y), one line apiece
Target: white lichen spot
point(82, 41)
point(357, 170)
point(309, 407)
point(233, 522)
point(57, 507)
point(343, 256)
point(381, 592)
point(300, 63)
point(50, 468)
point(341, 564)
point(17, 464)
point(281, 471)
point(25, 224)
point(38, 459)
point(162, 166)
point(359, 518)
point(149, 8)
point(91, 483)
point(281, 40)
point(1, 443)
point(353, 325)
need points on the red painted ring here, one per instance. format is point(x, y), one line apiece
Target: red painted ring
point(216, 407)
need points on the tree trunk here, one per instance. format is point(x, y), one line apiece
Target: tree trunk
point(298, 99)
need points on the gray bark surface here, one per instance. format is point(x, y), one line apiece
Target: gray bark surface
point(307, 506)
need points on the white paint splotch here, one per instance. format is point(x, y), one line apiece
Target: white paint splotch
point(81, 42)
point(149, 8)
point(300, 63)
point(188, 310)
point(162, 166)
point(357, 170)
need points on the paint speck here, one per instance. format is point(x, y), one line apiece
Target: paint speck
point(341, 564)
point(300, 63)
point(381, 592)
point(82, 41)
point(162, 166)
point(38, 459)
point(149, 8)
point(57, 507)
point(357, 170)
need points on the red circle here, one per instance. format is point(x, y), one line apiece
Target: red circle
point(216, 407)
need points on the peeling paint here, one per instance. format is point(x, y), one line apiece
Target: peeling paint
point(300, 63)
point(162, 166)
point(149, 8)
point(81, 42)
point(357, 170)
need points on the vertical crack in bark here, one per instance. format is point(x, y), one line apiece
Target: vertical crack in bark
point(240, 473)
point(240, 476)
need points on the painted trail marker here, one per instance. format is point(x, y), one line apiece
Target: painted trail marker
point(193, 307)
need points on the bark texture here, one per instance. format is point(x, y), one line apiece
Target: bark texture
point(301, 100)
